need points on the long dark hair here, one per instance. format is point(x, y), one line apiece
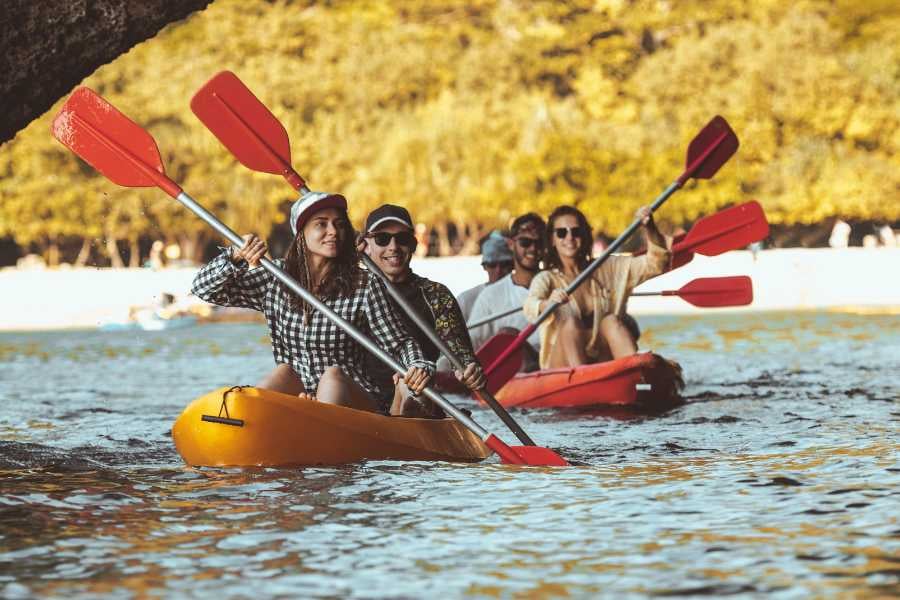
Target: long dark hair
point(583, 259)
point(342, 275)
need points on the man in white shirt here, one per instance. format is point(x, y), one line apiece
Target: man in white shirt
point(527, 245)
point(496, 260)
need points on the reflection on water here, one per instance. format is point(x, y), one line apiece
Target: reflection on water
point(780, 476)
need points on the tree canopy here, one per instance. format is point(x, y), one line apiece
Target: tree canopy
point(471, 112)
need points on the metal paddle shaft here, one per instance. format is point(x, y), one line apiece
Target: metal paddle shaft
point(117, 147)
point(707, 152)
point(428, 330)
point(493, 317)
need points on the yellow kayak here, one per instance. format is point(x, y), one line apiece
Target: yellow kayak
point(246, 426)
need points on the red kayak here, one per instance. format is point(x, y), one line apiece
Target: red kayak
point(612, 383)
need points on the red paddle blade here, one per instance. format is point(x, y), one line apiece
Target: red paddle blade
point(534, 456)
point(726, 230)
point(490, 351)
point(244, 125)
point(709, 292)
point(110, 142)
point(709, 150)
point(537, 456)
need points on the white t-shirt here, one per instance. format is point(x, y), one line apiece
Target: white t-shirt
point(467, 299)
point(498, 297)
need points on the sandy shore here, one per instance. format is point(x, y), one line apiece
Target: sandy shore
point(854, 279)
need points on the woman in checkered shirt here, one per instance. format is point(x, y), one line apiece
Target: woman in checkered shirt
point(315, 358)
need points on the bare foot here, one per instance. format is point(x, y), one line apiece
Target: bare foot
point(420, 409)
point(412, 408)
point(306, 396)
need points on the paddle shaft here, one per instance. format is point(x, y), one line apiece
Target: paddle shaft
point(669, 293)
point(482, 394)
point(589, 270)
point(492, 441)
point(493, 317)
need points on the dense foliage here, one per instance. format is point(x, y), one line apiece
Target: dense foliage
point(470, 112)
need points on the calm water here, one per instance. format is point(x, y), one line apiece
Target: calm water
point(780, 477)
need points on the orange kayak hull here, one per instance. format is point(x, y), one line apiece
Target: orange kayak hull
point(268, 429)
point(608, 383)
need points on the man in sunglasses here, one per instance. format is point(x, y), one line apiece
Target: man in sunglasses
point(526, 241)
point(497, 262)
point(390, 243)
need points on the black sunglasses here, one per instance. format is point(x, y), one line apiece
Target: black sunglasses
point(561, 232)
point(528, 242)
point(404, 238)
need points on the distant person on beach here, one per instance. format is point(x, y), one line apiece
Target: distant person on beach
point(497, 262)
point(389, 241)
point(840, 235)
point(526, 242)
point(421, 240)
point(316, 359)
point(155, 260)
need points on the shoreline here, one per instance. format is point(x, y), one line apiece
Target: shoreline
point(856, 280)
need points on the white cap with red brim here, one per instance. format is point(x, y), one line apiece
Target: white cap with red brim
point(312, 202)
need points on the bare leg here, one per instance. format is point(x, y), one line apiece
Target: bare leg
point(569, 349)
point(282, 379)
point(620, 341)
point(336, 387)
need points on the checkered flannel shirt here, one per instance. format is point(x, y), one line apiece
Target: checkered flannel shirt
point(309, 349)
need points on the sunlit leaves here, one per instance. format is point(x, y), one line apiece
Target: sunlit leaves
point(475, 111)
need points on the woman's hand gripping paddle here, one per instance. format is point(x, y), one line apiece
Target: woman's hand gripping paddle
point(709, 292)
point(707, 152)
point(119, 149)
